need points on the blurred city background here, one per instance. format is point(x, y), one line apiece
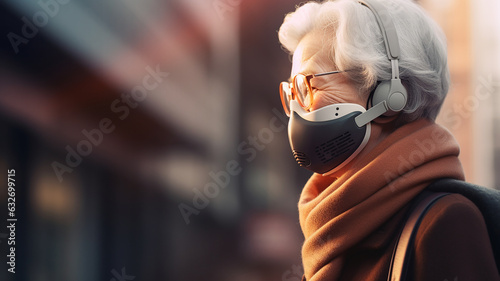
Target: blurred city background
point(118, 117)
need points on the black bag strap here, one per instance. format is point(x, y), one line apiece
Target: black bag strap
point(403, 250)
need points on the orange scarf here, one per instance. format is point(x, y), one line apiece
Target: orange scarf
point(338, 213)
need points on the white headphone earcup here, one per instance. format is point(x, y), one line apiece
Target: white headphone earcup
point(381, 93)
point(396, 98)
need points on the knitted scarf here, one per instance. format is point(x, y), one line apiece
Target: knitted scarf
point(336, 213)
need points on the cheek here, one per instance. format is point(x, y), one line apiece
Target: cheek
point(323, 98)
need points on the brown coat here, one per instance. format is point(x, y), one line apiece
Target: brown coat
point(452, 243)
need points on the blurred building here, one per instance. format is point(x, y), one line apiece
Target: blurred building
point(117, 115)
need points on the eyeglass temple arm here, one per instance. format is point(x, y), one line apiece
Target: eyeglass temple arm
point(327, 73)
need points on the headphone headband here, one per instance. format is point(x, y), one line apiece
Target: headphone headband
point(387, 27)
point(389, 97)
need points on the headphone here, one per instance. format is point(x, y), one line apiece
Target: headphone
point(389, 97)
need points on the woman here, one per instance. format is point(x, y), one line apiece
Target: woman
point(347, 56)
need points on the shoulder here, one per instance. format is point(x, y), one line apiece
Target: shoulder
point(452, 220)
point(453, 240)
point(452, 211)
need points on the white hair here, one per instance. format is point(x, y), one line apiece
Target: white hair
point(354, 42)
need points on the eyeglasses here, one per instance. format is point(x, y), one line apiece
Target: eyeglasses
point(299, 89)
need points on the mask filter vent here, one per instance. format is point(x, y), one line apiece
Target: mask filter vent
point(335, 147)
point(322, 144)
point(301, 158)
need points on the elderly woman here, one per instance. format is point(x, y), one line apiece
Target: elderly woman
point(367, 82)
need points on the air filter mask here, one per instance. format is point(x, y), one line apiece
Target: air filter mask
point(328, 138)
